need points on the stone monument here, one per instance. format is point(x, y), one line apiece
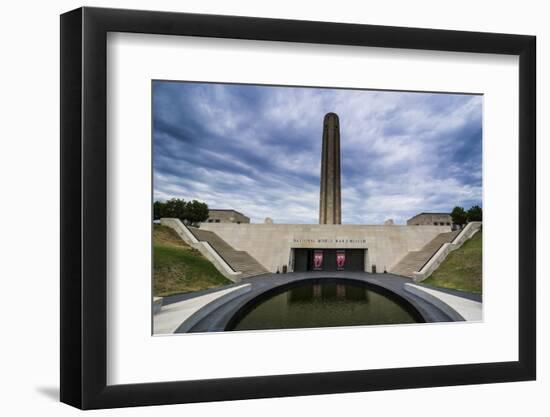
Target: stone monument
point(330, 207)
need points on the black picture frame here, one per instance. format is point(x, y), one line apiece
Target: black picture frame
point(84, 207)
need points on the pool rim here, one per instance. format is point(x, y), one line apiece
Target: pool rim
point(249, 305)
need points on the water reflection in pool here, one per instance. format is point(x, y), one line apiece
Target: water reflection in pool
point(324, 303)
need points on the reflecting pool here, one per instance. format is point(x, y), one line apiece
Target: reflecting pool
point(324, 303)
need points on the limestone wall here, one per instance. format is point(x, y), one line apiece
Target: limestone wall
point(270, 244)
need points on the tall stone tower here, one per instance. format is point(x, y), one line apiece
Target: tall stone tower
point(330, 207)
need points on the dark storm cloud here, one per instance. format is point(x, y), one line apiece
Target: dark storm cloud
point(257, 149)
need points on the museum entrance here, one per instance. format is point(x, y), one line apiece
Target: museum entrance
point(351, 260)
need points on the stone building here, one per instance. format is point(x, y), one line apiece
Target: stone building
point(226, 216)
point(431, 219)
point(298, 245)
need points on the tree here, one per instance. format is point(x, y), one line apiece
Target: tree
point(459, 216)
point(475, 214)
point(158, 210)
point(175, 208)
point(196, 212)
point(191, 212)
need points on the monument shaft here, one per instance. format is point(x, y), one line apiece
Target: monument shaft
point(330, 207)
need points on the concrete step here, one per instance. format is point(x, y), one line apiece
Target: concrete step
point(240, 261)
point(414, 261)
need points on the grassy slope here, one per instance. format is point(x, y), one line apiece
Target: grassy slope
point(180, 268)
point(462, 269)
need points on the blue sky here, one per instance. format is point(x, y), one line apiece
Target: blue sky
point(257, 149)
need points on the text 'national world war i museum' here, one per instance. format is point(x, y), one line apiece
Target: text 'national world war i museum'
point(240, 249)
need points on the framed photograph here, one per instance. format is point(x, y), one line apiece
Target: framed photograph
point(258, 208)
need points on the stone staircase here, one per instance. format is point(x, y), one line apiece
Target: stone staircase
point(239, 261)
point(414, 261)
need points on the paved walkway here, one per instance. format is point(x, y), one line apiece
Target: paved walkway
point(218, 319)
point(173, 315)
point(465, 309)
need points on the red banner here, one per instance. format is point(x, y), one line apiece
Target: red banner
point(340, 259)
point(318, 260)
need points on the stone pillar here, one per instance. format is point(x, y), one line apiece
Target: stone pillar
point(330, 207)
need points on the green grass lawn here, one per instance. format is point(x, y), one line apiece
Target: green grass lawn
point(462, 269)
point(180, 268)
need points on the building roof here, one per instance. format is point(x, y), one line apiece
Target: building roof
point(429, 214)
point(234, 211)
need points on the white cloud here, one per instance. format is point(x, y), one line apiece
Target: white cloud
point(257, 150)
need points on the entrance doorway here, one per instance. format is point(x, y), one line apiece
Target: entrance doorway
point(351, 260)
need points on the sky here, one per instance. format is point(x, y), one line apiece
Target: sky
point(257, 149)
